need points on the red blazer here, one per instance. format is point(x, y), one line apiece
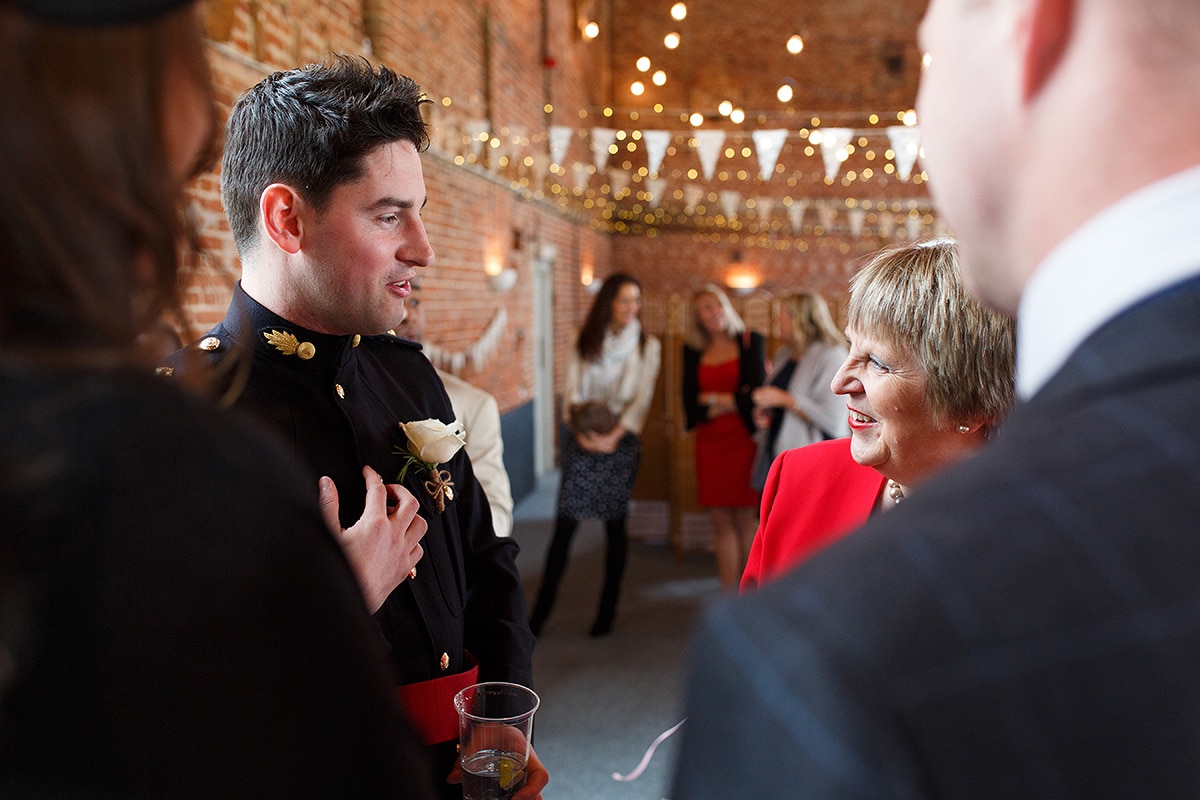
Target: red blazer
point(813, 495)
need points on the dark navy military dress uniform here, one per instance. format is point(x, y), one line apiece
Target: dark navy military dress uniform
point(338, 402)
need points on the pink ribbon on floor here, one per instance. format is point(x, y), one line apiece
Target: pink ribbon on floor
point(645, 762)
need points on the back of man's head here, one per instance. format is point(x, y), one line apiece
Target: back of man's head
point(310, 129)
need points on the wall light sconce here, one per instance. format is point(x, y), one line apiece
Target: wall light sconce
point(742, 279)
point(501, 277)
point(744, 290)
point(503, 280)
point(587, 277)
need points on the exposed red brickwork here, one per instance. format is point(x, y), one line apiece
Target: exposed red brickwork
point(520, 66)
point(678, 263)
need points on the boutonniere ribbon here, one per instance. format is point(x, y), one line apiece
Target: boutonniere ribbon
point(431, 443)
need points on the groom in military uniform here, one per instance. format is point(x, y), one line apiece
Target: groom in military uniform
point(322, 184)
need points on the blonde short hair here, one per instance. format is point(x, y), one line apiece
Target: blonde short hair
point(913, 298)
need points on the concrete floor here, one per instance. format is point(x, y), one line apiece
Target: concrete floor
point(604, 701)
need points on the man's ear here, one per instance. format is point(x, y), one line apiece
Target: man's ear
point(280, 207)
point(1049, 33)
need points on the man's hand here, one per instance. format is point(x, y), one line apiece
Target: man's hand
point(383, 546)
point(536, 777)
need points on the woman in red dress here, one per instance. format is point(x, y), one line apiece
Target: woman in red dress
point(723, 363)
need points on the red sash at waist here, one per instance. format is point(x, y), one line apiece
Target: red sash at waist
point(430, 704)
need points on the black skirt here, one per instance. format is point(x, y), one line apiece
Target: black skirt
point(597, 485)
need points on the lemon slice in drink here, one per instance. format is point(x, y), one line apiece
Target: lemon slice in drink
point(510, 772)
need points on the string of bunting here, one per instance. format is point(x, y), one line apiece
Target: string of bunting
point(478, 354)
point(768, 144)
point(514, 149)
point(904, 141)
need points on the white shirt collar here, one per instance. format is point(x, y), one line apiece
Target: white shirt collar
point(1137, 247)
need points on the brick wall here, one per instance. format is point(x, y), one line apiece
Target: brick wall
point(516, 67)
point(476, 61)
point(678, 263)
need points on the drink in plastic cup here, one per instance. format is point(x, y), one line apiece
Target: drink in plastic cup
point(495, 723)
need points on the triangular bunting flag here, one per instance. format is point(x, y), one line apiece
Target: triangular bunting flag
point(655, 187)
point(602, 139)
point(763, 207)
point(857, 217)
point(731, 201)
point(511, 146)
point(887, 224)
point(581, 176)
point(826, 214)
point(795, 214)
point(912, 226)
point(767, 144)
point(618, 180)
point(560, 139)
point(541, 164)
point(692, 195)
point(833, 149)
point(906, 143)
point(708, 146)
point(656, 147)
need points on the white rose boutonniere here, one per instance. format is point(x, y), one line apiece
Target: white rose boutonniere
point(431, 443)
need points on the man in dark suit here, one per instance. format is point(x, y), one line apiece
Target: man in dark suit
point(322, 183)
point(1028, 624)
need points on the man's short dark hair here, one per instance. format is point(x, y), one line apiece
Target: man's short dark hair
point(311, 128)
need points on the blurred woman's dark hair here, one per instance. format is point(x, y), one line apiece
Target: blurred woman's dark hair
point(591, 336)
point(90, 220)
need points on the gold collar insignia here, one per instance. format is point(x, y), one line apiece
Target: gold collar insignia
point(289, 345)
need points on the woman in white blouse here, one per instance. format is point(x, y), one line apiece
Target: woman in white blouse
point(610, 378)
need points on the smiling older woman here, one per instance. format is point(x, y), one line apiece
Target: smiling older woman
point(928, 377)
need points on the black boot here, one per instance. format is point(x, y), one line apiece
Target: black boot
point(556, 565)
point(614, 571)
